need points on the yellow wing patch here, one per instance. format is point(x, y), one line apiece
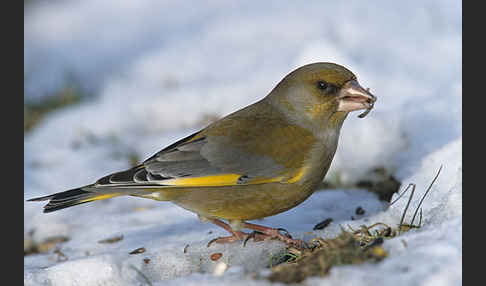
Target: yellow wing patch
point(298, 176)
point(231, 180)
point(100, 197)
point(282, 179)
point(217, 181)
point(208, 181)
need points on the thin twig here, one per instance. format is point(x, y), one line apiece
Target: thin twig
point(377, 224)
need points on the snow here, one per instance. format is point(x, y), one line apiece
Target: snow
point(159, 67)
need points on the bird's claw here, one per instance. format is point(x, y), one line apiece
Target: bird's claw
point(287, 234)
point(253, 235)
point(213, 240)
point(237, 235)
point(277, 235)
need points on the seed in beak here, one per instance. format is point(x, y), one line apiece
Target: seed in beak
point(371, 102)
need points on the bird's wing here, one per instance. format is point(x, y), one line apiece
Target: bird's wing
point(231, 154)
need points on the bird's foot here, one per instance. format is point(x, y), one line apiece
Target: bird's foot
point(236, 235)
point(264, 233)
point(260, 233)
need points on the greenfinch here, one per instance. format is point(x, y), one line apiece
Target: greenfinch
point(259, 161)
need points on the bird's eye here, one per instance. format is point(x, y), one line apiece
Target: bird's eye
point(322, 84)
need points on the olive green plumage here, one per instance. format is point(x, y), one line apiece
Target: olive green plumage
point(259, 161)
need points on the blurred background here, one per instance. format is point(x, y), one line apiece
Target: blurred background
point(108, 83)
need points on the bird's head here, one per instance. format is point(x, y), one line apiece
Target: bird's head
point(321, 92)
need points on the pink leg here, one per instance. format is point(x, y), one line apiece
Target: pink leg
point(235, 234)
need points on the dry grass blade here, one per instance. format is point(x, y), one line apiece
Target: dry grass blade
point(401, 195)
point(423, 197)
point(406, 227)
point(406, 207)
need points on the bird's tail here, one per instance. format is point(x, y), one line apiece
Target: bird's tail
point(73, 197)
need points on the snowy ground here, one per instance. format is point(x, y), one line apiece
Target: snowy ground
point(160, 67)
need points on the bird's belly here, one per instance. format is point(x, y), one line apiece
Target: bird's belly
point(244, 202)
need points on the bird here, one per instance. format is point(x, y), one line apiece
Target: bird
point(259, 161)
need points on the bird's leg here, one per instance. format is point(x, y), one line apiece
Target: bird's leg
point(264, 233)
point(235, 234)
point(260, 233)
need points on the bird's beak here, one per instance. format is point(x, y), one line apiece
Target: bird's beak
point(353, 96)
